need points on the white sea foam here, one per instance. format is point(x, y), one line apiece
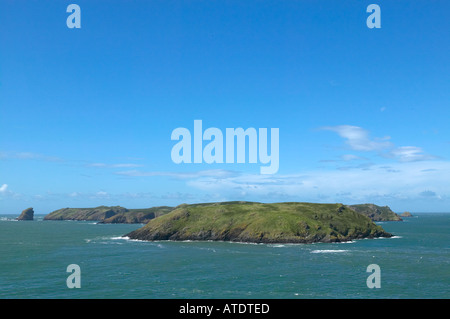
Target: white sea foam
point(241, 242)
point(137, 240)
point(326, 251)
point(119, 238)
point(347, 242)
point(209, 249)
point(105, 239)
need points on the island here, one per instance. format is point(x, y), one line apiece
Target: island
point(406, 214)
point(27, 214)
point(376, 213)
point(109, 214)
point(253, 222)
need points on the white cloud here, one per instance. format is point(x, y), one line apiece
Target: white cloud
point(358, 138)
point(410, 154)
point(3, 188)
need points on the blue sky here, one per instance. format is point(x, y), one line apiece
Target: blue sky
point(86, 114)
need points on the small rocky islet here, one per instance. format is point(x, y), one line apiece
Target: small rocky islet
point(27, 214)
point(406, 215)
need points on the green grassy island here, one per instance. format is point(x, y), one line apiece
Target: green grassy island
point(260, 223)
point(109, 214)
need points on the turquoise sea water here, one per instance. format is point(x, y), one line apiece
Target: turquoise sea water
point(34, 256)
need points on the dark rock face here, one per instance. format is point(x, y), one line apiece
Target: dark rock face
point(27, 214)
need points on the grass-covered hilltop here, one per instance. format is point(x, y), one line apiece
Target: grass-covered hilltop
point(109, 214)
point(122, 215)
point(261, 223)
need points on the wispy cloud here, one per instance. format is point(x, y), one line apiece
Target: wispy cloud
point(121, 165)
point(345, 158)
point(410, 154)
point(351, 157)
point(215, 173)
point(383, 184)
point(358, 139)
point(399, 181)
point(100, 195)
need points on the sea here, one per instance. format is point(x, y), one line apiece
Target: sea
point(35, 258)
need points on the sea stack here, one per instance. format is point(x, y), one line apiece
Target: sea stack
point(27, 214)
